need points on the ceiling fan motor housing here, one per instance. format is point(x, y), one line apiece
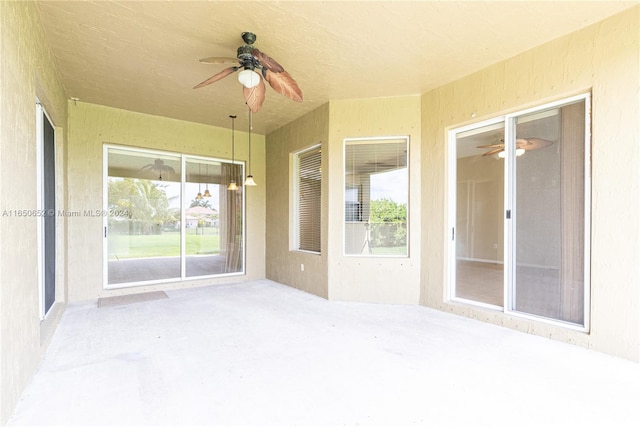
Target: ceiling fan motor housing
point(245, 56)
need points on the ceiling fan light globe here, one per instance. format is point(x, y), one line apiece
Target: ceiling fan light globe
point(249, 78)
point(519, 152)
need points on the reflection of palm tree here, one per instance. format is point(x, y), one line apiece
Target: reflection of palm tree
point(202, 202)
point(144, 199)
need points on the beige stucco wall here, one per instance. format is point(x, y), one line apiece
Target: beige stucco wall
point(27, 73)
point(373, 279)
point(604, 59)
point(331, 274)
point(90, 127)
point(282, 264)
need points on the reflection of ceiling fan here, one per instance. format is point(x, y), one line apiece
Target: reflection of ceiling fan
point(251, 59)
point(158, 166)
point(522, 145)
point(381, 165)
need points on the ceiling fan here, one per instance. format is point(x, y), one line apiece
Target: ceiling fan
point(251, 59)
point(522, 145)
point(158, 166)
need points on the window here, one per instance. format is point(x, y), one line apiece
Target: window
point(170, 217)
point(520, 213)
point(376, 193)
point(307, 199)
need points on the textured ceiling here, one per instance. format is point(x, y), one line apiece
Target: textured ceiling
point(143, 56)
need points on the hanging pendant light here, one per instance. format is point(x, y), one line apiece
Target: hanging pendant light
point(199, 195)
point(249, 181)
point(232, 185)
point(206, 190)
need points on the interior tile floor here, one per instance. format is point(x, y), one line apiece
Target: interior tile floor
point(263, 354)
point(538, 290)
point(480, 281)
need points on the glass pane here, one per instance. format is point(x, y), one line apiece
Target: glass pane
point(144, 216)
point(479, 215)
point(231, 217)
point(376, 196)
point(549, 217)
point(202, 218)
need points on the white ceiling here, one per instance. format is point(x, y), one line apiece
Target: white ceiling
point(143, 55)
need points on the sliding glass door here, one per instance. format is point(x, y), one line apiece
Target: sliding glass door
point(519, 213)
point(170, 217)
point(213, 218)
point(479, 236)
point(549, 214)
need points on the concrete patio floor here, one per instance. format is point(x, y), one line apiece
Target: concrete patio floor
point(263, 354)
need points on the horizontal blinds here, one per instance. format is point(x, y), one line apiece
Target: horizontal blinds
point(376, 196)
point(364, 159)
point(309, 199)
point(375, 157)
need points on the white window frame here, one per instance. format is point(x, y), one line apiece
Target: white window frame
point(364, 140)
point(105, 219)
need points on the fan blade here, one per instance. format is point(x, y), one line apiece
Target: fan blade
point(490, 146)
point(532, 143)
point(494, 151)
point(221, 75)
point(219, 60)
point(267, 62)
point(285, 85)
point(255, 96)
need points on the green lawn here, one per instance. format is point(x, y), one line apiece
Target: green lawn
point(122, 246)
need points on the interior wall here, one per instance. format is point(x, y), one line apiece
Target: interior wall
point(27, 73)
point(90, 127)
point(484, 177)
point(604, 59)
point(282, 264)
point(373, 279)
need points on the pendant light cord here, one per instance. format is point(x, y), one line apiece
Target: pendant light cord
point(233, 141)
point(250, 127)
point(232, 184)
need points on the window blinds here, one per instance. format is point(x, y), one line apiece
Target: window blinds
point(309, 200)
